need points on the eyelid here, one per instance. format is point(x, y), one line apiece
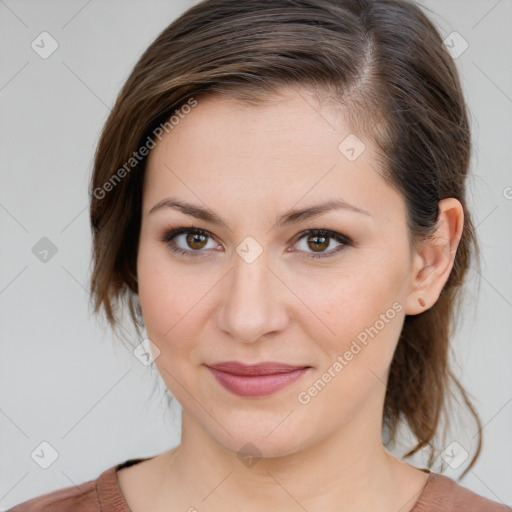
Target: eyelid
point(168, 237)
point(342, 239)
point(322, 231)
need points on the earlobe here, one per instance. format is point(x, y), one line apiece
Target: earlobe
point(435, 257)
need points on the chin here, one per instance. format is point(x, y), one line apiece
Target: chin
point(261, 438)
point(258, 446)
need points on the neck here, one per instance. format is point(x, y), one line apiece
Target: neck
point(350, 467)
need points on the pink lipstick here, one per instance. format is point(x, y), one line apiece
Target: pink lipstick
point(255, 379)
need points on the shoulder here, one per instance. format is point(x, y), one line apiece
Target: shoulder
point(443, 494)
point(68, 499)
point(99, 495)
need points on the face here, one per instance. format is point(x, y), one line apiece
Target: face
point(321, 292)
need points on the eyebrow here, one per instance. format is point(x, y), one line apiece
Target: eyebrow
point(291, 217)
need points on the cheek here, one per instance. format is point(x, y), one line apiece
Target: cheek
point(174, 302)
point(344, 301)
point(366, 321)
point(357, 312)
point(165, 296)
point(169, 318)
point(169, 307)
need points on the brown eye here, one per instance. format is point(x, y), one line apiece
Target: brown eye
point(318, 242)
point(196, 240)
point(315, 243)
point(188, 241)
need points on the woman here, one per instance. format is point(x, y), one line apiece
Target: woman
point(279, 196)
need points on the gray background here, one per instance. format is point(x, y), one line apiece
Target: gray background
point(64, 378)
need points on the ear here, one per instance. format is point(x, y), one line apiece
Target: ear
point(433, 260)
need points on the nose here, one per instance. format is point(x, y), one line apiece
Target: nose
point(253, 301)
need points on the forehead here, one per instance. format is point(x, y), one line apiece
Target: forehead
point(291, 147)
point(280, 124)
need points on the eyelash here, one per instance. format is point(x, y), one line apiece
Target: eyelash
point(342, 239)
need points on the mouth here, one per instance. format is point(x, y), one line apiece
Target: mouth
point(255, 380)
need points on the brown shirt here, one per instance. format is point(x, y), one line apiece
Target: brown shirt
point(440, 494)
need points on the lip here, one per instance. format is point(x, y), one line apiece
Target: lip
point(255, 380)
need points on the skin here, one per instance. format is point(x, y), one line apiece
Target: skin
point(250, 164)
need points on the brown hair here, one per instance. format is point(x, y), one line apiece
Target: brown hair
point(385, 62)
